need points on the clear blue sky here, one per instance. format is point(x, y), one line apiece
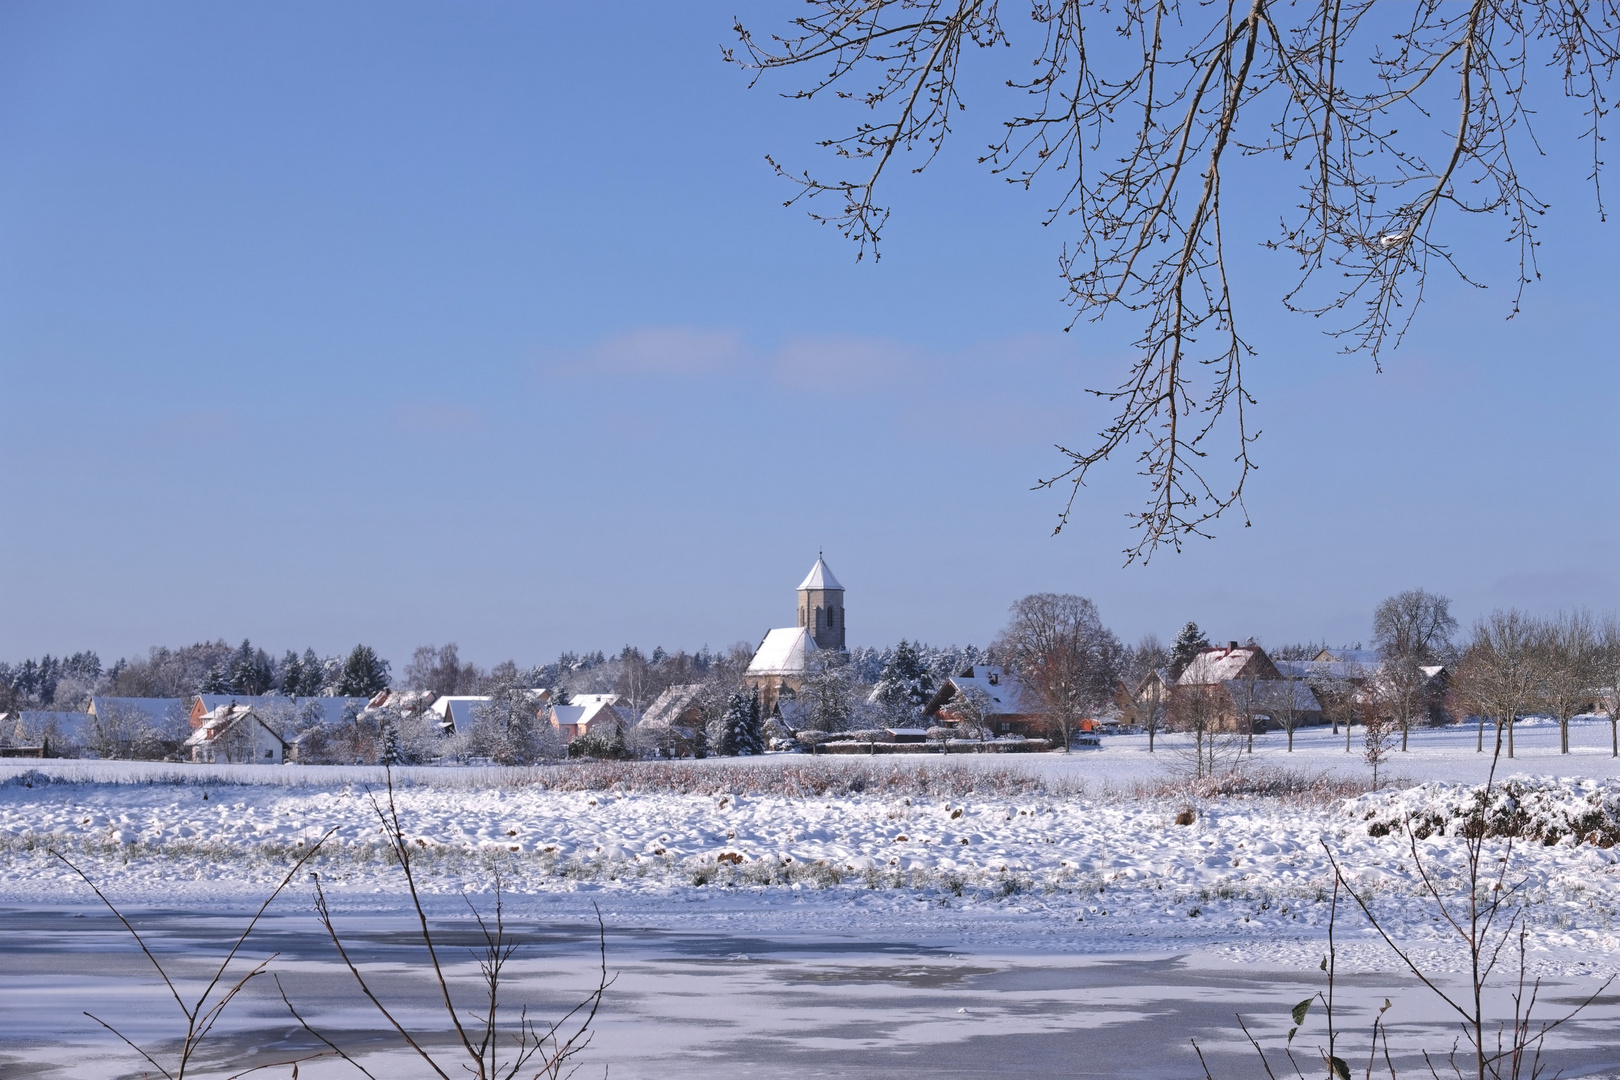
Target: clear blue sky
point(418, 322)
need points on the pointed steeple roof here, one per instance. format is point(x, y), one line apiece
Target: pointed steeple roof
point(820, 577)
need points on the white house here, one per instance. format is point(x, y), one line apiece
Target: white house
point(236, 734)
point(589, 712)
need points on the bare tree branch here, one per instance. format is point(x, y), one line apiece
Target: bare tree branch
point(1137, 135)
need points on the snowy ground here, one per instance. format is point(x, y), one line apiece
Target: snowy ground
point(753, 928)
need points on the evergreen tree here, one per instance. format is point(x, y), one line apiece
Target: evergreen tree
point(391, 754)
point(292, 675)
point(753, 740)
point(1188, 644)
point(314, 675)
point(734, 725)
point(905, 686)
point(250, 672)
point(217, 681)
point(364, 673)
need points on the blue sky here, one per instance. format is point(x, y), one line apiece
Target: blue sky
point(411, 322)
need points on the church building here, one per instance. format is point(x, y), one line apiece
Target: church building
point(783, 658)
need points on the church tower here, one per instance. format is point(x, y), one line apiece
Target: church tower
point(821, 607)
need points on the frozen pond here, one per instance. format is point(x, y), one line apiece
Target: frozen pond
point(721, 992)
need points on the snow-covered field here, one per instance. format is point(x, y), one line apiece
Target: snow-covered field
point(1085, 844)
point(1044, 856)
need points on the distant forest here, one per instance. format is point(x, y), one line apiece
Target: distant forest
point(68, 683)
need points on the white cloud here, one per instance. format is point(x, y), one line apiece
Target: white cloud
point(670, 350)
point(845, 364)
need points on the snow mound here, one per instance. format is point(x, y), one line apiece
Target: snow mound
point(1547, 810)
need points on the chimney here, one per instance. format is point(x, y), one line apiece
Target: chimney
point(1231, 646)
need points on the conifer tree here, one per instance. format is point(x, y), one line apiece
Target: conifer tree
point(754, 731)
point(905, 686)
point(314, 675)
point(217, 681)
point(391, 754)
point(364, 673)
point(1188, 644)
point(734, 726)
point(292, 674)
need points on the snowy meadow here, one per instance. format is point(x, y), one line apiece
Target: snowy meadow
point(996, 867)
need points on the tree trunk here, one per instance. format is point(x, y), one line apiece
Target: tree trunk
point(1406, 727)
point(1290, 740)
point(1614, 733)
point(1512, 718)
point(1347, 734)
point(1563, 734)
point(1151, 729)
point(1479, 743)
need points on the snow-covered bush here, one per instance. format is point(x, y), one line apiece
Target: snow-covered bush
point(1543, 810)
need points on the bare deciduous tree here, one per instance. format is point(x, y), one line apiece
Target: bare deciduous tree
point(1285, 701)
point(1415, 623)
point(1141, 114)
point(1412, 630)
point(1609, 684)
point(1497, 676)
point(1064, 655)
point(1569, 666)
point(1379, 730)
point(1195, 711)
point(440, 671)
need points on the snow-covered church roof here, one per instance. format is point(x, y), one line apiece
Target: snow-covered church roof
point(786, 651)
point(820, 577)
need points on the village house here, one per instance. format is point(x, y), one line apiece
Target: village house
point(673, 725)
point(281, 713)
point(1003, 704)
point(236, 734)
point(586, 714)
point(1246, 689)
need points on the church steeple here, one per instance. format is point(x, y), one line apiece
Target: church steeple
point(821, 606)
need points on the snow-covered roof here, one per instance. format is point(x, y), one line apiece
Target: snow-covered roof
point(277, 710)
point(1001, 686)
point(671, 704)
point(1266, 695)
point(1324, 669)
point(586, 710)
point(156, 708)
point(71, 727)
point(1365, 657)
point(1218, 665)
point(820, 577)
point(459, 713)
point(441, 706)
point(222, 719)
point(785, 651)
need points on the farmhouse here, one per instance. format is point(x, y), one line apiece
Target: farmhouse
point(1245, 689)
point(236, 734)
point(587, 713)
point(674, 723)
point(988, 695)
